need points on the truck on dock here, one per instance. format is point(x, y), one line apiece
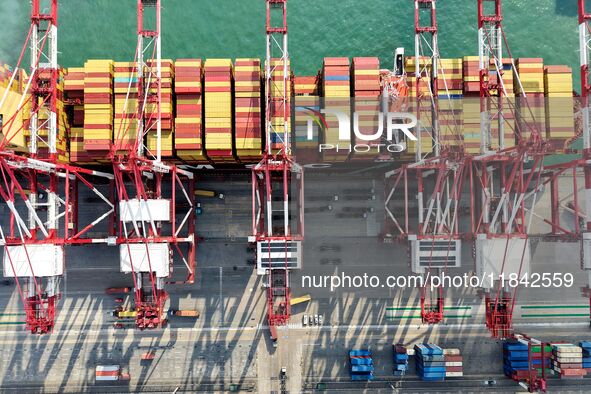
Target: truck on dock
point(117, 290)
point(209, 193)
point(110, 373)
point(184, 313)
point(124, 313)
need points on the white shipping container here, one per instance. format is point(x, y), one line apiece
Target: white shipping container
point(453, 363)
point(568, 359)
point(107, 372)
point(410, 351)
point(560, 353)
point(451, 352)
point(454, 374)
point(566, 348)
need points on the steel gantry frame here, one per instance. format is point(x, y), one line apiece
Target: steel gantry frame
point(435, 239)
point(34, 248)
point(277, 178)
point(490, 47)
point(151, 193)
point(508, 177)
point(585, 60)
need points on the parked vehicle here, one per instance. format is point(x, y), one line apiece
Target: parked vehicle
point(116, 290)
point(183, 313)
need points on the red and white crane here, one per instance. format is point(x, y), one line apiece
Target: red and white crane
point(156, 215)
point(585, 56)
point(36, 229)
point(508, 176)
point(439, 175)
point(277, 180)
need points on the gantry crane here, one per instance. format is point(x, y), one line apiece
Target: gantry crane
point(434, 240)
point(508, 175)
point(585, 56)
point(153, 230)
point(38, 187)
point(277, 180)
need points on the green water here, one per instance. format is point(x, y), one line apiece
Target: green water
point(319, 28)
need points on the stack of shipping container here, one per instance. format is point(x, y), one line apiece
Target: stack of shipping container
point(450, 86)
point(515, 359)
point(567, 361)
point(12, 121)
point(586, 346)
point(361, 364)
point(166, 111)
point(471, 104)
point(454, 365)
point(247, 107)
point(74, 95)
point(520, 353)
point(531, 108)
point(188, 138)
point(430, 362)
point(336, 80)
point(506, 103)
point(307, 108)
point(420, 103)
point(400, 360)
point(126, 106)
point(218, 109)
point(279, 112)
point(366, 92)
point(232, 128)
point(560, 124)
point(98, 109)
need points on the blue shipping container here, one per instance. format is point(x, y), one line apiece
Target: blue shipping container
point(359, 352)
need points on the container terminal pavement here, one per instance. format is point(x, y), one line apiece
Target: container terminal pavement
point(153, 218)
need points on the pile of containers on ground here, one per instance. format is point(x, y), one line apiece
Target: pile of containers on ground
point(454, 364)
point(567, 361)
point(247, 104)
point(400, 360)
point(430, 362)
point(218, 109)
point(586, 346)
point(188, 139)
point(517, 354)
point(361, 364)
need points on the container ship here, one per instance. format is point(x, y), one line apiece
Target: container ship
point(464, 149)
